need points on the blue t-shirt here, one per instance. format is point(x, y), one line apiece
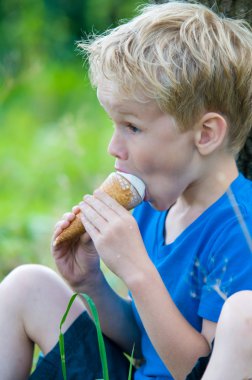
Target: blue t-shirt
point(208, 262)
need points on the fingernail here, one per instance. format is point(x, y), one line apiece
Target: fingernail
point(97, 192)
point(87, 196)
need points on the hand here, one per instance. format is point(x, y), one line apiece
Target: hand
point(115, 234)
point(77, 261)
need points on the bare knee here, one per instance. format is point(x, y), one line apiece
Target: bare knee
point(242, 298)
point(239, 306)
point(236, 317)
point(26, 270)
point(38, 296)
point(25, 279)
point(20, 279)
point(231, 357)
point(33, 287)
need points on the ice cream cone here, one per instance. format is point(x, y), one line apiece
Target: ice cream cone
point(126, 189)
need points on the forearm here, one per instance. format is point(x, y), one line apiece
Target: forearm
point(115, 314)
point(178, 344)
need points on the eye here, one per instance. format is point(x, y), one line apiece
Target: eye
point(133, 129)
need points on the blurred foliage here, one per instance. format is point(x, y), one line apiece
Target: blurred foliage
point(54, 134)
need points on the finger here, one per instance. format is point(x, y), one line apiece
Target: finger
point(69, 216)
point(93, 214)
point(91, 230)
point(100, 207)
point(60, 226)
point(76, 209)
point(85, 238)
point(110, 202)
point(63, 223)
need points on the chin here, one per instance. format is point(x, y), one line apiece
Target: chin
point(158, 206)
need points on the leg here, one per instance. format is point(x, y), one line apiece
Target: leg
point(33, 300)
point(232, 353)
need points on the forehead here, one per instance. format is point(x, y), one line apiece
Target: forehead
point(112, 98)
point(109, 93)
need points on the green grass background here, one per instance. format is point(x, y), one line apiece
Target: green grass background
point(53, 150)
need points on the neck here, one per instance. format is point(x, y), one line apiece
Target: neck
point(201, 194)
point(212, 185)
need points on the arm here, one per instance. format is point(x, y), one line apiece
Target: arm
point(116, 316)
point(117, 239)
point(79, 263)
point(177, 342)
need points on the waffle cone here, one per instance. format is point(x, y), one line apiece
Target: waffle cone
point(120, 189)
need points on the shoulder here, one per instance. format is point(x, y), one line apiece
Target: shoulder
point(231, 235)
point(241, 190)
point(234, 206)
point(239, 204)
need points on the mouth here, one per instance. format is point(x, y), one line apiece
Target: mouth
point(118, 169)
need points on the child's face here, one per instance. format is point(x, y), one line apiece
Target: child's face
point(147, 143)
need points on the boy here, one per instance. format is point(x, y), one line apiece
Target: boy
point(176, 81)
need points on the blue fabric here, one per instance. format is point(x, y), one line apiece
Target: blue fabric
point(82, 356)
point(209, 261)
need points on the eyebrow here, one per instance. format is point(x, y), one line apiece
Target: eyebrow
point(127, 113)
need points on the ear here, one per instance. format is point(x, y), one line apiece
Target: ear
point(211, 132)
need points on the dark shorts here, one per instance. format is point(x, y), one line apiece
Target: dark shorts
point(83, 359)
point(199, 369)
point(82, 356)
point(200, 366)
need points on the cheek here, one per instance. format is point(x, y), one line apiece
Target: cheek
point(149, 163)
point(155, 162)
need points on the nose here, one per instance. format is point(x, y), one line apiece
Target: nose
point(117, 147)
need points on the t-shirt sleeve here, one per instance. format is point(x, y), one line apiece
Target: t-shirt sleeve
point(229, 268)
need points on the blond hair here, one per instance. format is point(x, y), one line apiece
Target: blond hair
point(187, 58)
